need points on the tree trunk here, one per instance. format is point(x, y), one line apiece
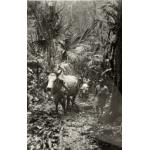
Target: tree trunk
point(116, 104)
point(50, 39)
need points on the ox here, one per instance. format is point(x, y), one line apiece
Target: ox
point(63, 87)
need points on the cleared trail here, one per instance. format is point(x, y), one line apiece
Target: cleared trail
point(74, 131)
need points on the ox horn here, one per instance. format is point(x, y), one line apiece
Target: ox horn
point(59, 67)
point(57, 74)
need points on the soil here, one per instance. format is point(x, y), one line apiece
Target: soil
point(78, 130)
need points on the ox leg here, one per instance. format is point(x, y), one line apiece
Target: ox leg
point(73, 101)
point(68, 103)
point(56, 104)
point(74, 105)
point(63, 104)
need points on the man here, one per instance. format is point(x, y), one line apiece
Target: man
point(85, 88)
point(98, 86)
point(100, 98)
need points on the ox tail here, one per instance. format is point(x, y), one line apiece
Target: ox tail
point(78, 86)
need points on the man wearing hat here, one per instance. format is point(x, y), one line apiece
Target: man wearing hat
point(101, 95)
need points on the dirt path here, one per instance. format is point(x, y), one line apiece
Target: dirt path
point(78, 127)
point(75, 131)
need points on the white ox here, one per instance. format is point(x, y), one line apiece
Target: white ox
point(70, 82)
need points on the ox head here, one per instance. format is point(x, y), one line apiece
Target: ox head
point(53, 80)
point(56, 87)
point(57, 69)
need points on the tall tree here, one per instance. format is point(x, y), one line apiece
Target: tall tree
point(112, 11)
point(48, 24)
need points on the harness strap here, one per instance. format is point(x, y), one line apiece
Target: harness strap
point(65, 86)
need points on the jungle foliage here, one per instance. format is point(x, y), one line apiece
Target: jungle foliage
point(85, 38)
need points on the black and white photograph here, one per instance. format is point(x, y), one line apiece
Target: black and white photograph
point(74, 75)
